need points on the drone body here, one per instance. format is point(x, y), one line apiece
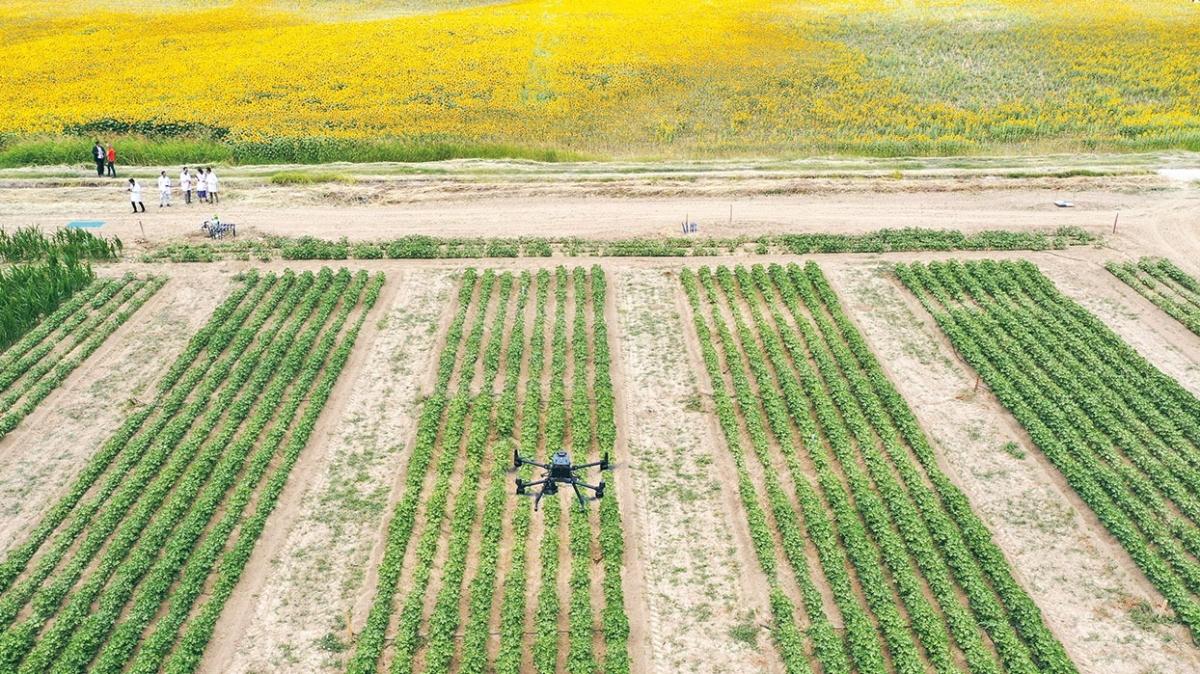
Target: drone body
point(560, 470)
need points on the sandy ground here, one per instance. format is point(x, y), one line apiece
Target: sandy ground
point(621, 205)
point(314, 577)
point(697, 579)
point(41, 457)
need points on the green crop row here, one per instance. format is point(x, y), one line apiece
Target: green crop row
point(1164, 284)
point(483, 586)
point(179, 380)
point(968, 551)
point(192, 572)
point(119, 491)
point(30, 291)
point(132, 508)
point(149, 537)
point(30, 243)
point(614, 621)
point(371, 639)
point(464, 407)
point(186, 657)
point(913, 573)
point(1122, 433)
point(580, 658)
point(545, 627)
point(53, 321)
point(419, 246)
point(786, 633)
point(444, 621)
point(178, 521)
point(512, 610)
point(446, 618)
point(460, 407)
point(119, 494)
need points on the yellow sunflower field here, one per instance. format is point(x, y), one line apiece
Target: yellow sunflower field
point(608, 78)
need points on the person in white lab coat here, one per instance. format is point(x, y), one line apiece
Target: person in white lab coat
point(185, 185)
point(164, 190)
point(211, 179)
point(135, 195)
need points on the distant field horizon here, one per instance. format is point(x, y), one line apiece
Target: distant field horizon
point(300, 81)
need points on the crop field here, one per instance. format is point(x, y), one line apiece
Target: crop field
point(297, 81)
point(42, 357)
point(471, 581)
point(1166, 285)
point(130, 569)
point(913, 459)
point(1125, 436)
point(876, 325)
point(845, 502)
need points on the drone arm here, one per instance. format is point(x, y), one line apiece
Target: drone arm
point(535, 483)
point(519, 461)
point(603, 463)
point(577, 484)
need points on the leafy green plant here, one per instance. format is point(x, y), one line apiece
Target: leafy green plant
point(488, 400)
point(433, 247)
point(30, 291)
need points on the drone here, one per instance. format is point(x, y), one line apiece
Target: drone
point(559, 471)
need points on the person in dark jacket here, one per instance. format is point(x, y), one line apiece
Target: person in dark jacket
point(100, 156)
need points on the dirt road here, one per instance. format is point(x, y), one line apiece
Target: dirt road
point(1157, 214)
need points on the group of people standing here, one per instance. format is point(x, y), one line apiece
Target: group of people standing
point(106, 160)
point(203, 181)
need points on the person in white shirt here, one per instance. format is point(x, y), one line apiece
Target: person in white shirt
point(164, 190)
point(185, 185)
point(211, 179)
point(135, 195)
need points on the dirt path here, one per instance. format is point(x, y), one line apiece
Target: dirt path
point(622, 205)
point(297, 612)
point(79, 416)
point(700, 581)
point(1093, 597)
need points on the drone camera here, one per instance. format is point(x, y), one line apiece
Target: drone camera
point(560, 466)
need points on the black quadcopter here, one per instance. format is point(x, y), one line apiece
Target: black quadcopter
point(559, 470)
